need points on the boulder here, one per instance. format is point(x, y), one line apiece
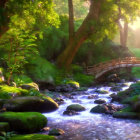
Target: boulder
point(100, 101)
point(116, 88)
point(24, 122)
point(32, 137)
point(105, 108)
point(76, 107)
point(31, 104)
point(56, 132)
point(99, 109)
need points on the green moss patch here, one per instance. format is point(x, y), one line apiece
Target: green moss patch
point(33, 137)
point(27, 122)
point(7, 92)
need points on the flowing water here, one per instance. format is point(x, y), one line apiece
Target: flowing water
point(92, 126)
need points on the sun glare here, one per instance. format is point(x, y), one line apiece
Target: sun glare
point(135, 25)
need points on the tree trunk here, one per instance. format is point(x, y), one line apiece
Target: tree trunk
point(71, 20)
point(85, 30)
point(123, 33)
point(3, 26)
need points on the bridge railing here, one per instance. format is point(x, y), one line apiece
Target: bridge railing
point(107, 65)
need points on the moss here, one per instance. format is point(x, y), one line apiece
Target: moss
point(76, 107)
point(27, 122)
point(33, 137)
point(31, 104)
point(124, 114)
point(7, 92)
point(131, 100)
point(74, 83)
point(4, 126)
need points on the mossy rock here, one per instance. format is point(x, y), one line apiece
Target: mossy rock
point(76, 107)
point(31, 104)
point(102, 91)
point(33, 137)
point(99, 109)
point(8, 92)
point(74, 84)
point(56, 132)
point(27, 122)
point(125, 115)
point(30, 86)
point(4, 126)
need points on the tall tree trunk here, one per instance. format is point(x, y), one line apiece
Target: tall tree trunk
point(71, 20)
point(3, 26)
point(84, 31)
point(123, 33)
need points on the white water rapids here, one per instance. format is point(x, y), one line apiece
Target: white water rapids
point(92, 126)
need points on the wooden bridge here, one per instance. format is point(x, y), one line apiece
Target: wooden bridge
point(102, 68)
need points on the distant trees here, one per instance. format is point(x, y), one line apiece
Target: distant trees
point(101, 21)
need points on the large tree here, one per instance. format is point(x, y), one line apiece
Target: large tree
point(101, 21)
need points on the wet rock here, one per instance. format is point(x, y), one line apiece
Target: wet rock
point(102, 91)
point(106, 108)
point(32, 104)
point(70, 113)
point(66, 88)
point(99, 109)
point(114, 97)
point(59, 101)
point(76, 107)
point(116, 88)
point(100, 101)
point(92, 96)
point(56, 132)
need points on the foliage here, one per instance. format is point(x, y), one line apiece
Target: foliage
point(7, 135)
point(80, 7)
point(41, 69)
point(84, 80)
point(21, 79)
point(20, 39)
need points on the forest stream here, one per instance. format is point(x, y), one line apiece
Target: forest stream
point(93, 126)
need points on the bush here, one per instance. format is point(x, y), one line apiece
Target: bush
point(84, 80)
point(21, 79)
point(41, 70)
